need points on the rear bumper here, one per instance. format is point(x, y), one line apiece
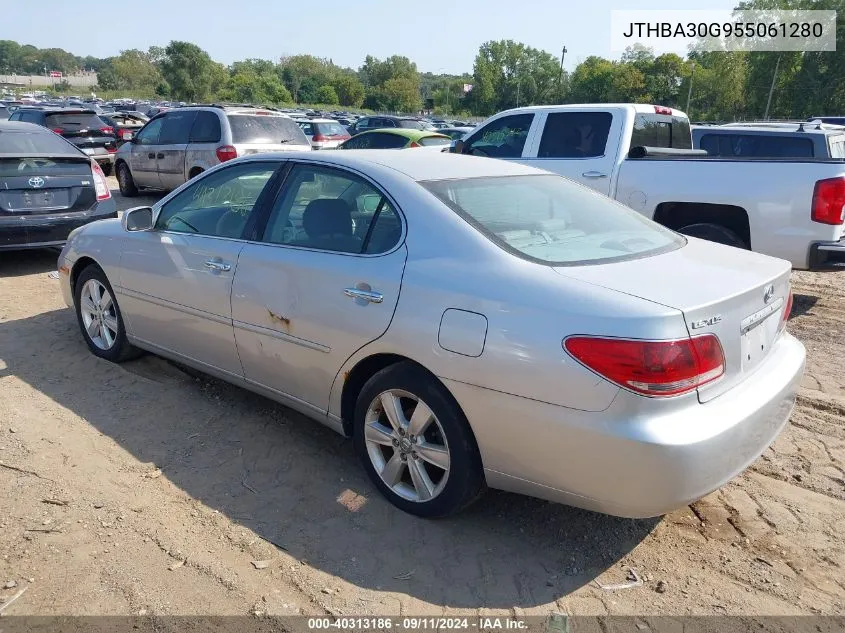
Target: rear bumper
point(827, 255)
point(640, 463)
point(48, 230)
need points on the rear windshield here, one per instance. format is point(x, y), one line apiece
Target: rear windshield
point(551, 220)
point(331, 129)
point(11, 167)
point(661, 130)
point(35, 143)
point(266, 129)
point(434, 140)
point(411, 124)
point(74, 122)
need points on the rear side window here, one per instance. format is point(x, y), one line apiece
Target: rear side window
point(176, 127)
point(575, 135)
point(503, 138)
point(206, 128)
point(74, 122)
point(34, 143)
point(756, 146)
point(266, 129)
point(661, 130)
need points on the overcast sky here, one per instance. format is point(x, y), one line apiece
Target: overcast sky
point(439, 35)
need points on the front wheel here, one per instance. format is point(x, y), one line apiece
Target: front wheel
point(415, 444)
point(714, 233)
point(99, 317)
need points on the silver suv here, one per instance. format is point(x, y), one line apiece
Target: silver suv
point(178, 144)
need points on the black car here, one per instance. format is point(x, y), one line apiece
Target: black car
point(81, 126)
point(48, 187)
point(382, 121)
point(124, 124)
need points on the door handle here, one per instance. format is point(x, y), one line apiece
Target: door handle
point(366, 295)
point(159, 155)
point(215, 265)
point(594, 174)
point(151, 155)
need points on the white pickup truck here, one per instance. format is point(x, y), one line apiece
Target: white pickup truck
point(641, 155)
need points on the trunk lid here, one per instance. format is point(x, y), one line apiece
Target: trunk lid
point(735, 294)
point(44, 185)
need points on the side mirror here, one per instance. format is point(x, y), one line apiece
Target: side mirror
point(457, 147)
point(138, 219)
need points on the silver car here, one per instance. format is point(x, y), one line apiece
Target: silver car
point(180, 143)
point(468, 322)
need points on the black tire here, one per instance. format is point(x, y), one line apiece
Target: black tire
point(107, 168)
point(125, 181)
point(121, 349)
point(194, 173)
point(714, 233)
point(465, 481)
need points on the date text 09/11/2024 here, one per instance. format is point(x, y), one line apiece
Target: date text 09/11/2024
point(381, 623)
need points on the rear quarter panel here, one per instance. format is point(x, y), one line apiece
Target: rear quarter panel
point(777, 196)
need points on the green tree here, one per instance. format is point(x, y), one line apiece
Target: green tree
point(349, 89)
point(326, 94)
point(592, 81)
point(304, 74)
point(134, 70)
point(192, 75)
point(10, 56)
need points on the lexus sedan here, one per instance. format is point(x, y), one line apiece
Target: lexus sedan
point(468, 322)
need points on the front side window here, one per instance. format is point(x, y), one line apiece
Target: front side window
point(150, 132)
point(575, 135)
point(551, 220)
point(219, 204)
point(503, 138)
point(332, 210)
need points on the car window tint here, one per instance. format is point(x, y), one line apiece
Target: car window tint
point(575, 135)
point(206, 128)
point(266, 129)
point(308, 128)
point(385, 140)
point(74, 122)
point(503, 138)
point(756, 145)
point(12, 142)
point(332, 210)
point(552, 220)
point(218, 204)
point(661, 130)
point(176, 127)
point(149, 133)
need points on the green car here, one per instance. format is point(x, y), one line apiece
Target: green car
point(396, 138)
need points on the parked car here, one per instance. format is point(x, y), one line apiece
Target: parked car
point(324, 133)
point(179, 144)
point(805, 140)
point(375, 293)
point(80, 126)
point(368, 123)
point(455, 133)
point(834, 120)
point(641, 155)
point(124, 124)
point(396, 138)
point(48, 187)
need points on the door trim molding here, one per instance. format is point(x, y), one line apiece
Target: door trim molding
point(283, 336)
point(164, 303)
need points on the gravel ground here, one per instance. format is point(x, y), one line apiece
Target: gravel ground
point(142, 489)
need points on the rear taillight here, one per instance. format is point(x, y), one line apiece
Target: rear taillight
point(126, 135)
point(100, 184)
point(787, 310)
point(829, 201)
point(319, 138)
point(652, 368)
point(58, 130)
point(226, 152)
point(107, 130)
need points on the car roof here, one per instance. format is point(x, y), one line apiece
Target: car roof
point(418, 165)
point(408, 133)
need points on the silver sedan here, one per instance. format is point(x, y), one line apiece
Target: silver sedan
point(468, 322)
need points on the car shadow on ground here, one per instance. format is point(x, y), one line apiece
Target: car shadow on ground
point(28, 262)
point(300, 486)
point(802, 304)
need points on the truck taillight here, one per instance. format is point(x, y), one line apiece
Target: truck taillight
point(651, 368)
point(662, 110)
point(100, 184)
point(829, 201)
point(226, 152)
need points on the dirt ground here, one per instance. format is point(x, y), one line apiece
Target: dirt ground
point(143, 489)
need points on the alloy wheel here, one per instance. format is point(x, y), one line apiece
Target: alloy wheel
point(99, 315)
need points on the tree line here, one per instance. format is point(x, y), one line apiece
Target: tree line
point(709, 85)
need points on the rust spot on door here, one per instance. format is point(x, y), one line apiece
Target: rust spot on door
point(278, 318)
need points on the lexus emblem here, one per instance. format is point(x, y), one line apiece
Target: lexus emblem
point(36, 182)
point(768, 293)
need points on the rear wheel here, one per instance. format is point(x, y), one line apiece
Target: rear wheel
point(125, 181)
point(99, 317)
point(714, 233)
point(415, 443)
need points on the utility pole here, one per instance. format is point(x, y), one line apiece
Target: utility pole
point(689, 92)
point(772, 89)
point(560, 76)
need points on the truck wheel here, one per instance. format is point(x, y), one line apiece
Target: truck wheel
point(714, 233)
